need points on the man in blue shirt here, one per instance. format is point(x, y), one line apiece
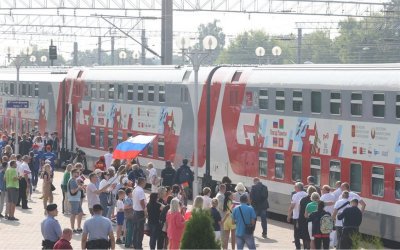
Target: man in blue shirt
point(48, 155)
point(51, 229)
point(244, 215)
point(97, 231)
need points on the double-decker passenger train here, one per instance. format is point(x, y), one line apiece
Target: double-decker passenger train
point(280, 123)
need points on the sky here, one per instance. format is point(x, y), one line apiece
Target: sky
point(231, 23)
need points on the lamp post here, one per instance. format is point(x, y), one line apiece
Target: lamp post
point(43, 59)
point(135, 56)
point(18, 61)
point(260, 52)
point(276, 51)
point(122, 56)
point(196, 57)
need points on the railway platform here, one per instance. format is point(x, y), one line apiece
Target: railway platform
point(26, 234)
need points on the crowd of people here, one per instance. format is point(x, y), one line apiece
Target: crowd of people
point(325, 218)
point(115, 196)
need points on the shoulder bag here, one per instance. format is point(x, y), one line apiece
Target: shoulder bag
point(249, 227)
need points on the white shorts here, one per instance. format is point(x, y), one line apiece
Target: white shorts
point(217, 235)
point(310, 230)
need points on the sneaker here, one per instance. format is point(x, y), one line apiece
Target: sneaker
point(79, 230)
point(13, 219)
point(264, 236)
point(118, 241)
point(75, 231)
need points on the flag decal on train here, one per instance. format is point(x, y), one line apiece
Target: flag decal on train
point(132, 147)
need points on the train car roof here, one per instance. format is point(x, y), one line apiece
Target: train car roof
point(38, 74)
point(146, 73)
point(313, 76)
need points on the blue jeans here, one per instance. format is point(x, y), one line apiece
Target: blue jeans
point(138, 229)
point(129, 232)
point(247, 239)
point(263, 216)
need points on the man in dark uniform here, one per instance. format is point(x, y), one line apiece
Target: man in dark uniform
point(51, 229)
point(168, 175)
point(184, 178)
point(352, 218)
point(259, 200)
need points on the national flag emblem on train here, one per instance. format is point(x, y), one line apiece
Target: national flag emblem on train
point(279, 124)
point(132, 147)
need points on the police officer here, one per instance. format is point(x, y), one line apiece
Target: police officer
point(97, 231)
point(352, 218)
point(51, 229)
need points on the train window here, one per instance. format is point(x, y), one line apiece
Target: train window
point(120, 92)
point(93, 137)
point(1, 88)
point(119, 139)
point(297, 101)
point(262, 163)
point(161, 147)
point(102, 91)
point(279, 165)
point(150, 149)
point(280, 101)
point(36, 89)
point(101, 138)
point(397, 184)
point(378, 181)
point(129, 135)
point(130, 92)
point(140, 93)
point(12, 88)
point(110, 140)
point(150, 94)
point(336, 104)
point(111, 91)
point(316, 170)
point(263, 99)
point(378, 105)
point(315, 102)
point(398, 106)
point(355, 177)
point(297, 165)
point(93, 90)
point(334, 172)
point(184, 95)
point(356, 104)
point(23, 89)
point(161, 93)
point(6, 88)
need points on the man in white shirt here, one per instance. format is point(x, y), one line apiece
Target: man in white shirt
point(139, 207)
point(153, 178)
point(340, 205)
point(294, 210)
point(93, 193)
point(108, 157)
point(24, 173)
point(352, 195)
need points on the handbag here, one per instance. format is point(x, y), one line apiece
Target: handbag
point(249, 227)
point(53, 187)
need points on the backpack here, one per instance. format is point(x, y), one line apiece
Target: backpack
point(185, 175)
point(326, 224)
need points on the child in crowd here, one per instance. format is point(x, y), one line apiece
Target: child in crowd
point(120, 215)
point(216, 218)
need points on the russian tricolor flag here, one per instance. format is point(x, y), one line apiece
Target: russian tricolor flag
point(132, 147)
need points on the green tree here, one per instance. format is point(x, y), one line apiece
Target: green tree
point(318, 48)
point(199, 232)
